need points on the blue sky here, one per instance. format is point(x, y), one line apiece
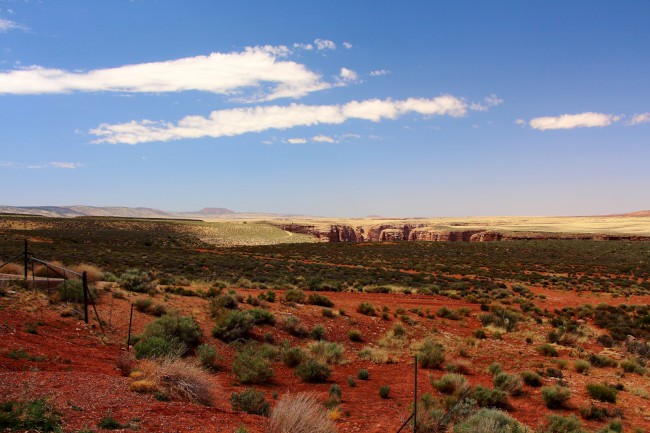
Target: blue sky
point(330, 108)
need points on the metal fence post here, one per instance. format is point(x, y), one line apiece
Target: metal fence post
point(415, 397)
point(84, 282)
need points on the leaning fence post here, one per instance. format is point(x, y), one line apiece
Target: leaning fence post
point(26, 260)
point(84, 282)
point(128, 341)
point(415, 397)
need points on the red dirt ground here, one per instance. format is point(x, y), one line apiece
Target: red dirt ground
point(80, 376)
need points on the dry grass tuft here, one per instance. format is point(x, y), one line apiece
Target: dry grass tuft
point(300, 413)
point(93, 273)
point(125, 362)
point(174, 377)
point(12, 269)
point(44, 271)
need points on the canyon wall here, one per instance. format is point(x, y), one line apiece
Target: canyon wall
point(419, 232)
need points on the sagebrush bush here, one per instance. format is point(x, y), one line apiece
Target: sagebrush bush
point(326, 351)
point(366, 308)
point(560, 424)
point(251, 367)
point(293, 356)
point(510, 383)
point(317, 299)
point(134, 280)
point(363, 374)
point(157, 347)
point(234, 325)
point(384, 391)
point(169, 335)
point(262, 316)
point(250, 401)
point(355, 335)
point(581, 366)
point(449, 383)
point(486, 397)
point(531, 378)
point(490, 421)
point(207, 355)
point(143, 304)
point(294, 295)
point(293, 326)
point(300, 413)
point(555, 397)
point(431, 355)
point(602, 361)
point(38, 415)
point(313, 371)
point(548, 350)
point(602, 392)
point(318, 332)
point(73, 291)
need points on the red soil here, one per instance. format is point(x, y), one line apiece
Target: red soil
point(80, 376)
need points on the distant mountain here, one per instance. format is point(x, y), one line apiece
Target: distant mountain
point(210, 211)
point(80, 211)
point(641, 213)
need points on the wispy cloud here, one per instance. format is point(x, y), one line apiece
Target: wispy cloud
point(323, 139)
point(570, 121)
point(297, 140)
point(347, 75)
point(54, 164)
point(379, 72)
point(261, 68)
point(640, 118)
point(347, 45)
point(237, 121)
point(487, 103)
point(324, 44)
point(7, 25)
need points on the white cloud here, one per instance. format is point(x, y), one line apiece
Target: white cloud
point(237, 121)
point(347, 45)
point(379, 72)
point(487, 103)
point(347, 75)
point(570, 121)
point(520, 122)
point(222, 73)
point(65, 165)
point(324, 44)
point(7, 25)
point(301, 46)
point(640, 118)
point(323, 139)
point(297, 140)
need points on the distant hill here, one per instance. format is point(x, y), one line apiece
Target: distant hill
point(641, 213)
point(210, 211)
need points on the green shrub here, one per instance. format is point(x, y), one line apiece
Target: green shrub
point(73, 291)
point(355, 335)
point(250, 401)
point(594, 412)
point(294, 327)
point(251, 367)
point(262, 316)
point(335, 392)
point(384, 391)
point(351, 382)
point(510, 383)
point(480, 334)
point(531, 378)
point(602, 392)
point(633, 366)
point(156, 347)
point(182, 328)
point(109, 423)
point(317, 299)
point(602, 361)
point(581, 366)
point(220, 302)
point(366, 308)
point(327, 312)
point(294, 295)
point(447, 313)
point(494, 368)
point(555, 397)
point(158, 310)
point(329, 352)
point(207, 355)
point(431, 355)
point(548, 350)
point(30, 415)
point(313, 371)
point(363, 374)
point(501, 318)
point(292, 357)
point(487, 397)
point(143, 304)
point(449, 383)
point(235, 325)
point(318, 332)
point(560, 424)
point(135, 280)
point(489, 421)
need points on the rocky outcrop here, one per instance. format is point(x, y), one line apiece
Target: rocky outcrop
point(418, 232)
